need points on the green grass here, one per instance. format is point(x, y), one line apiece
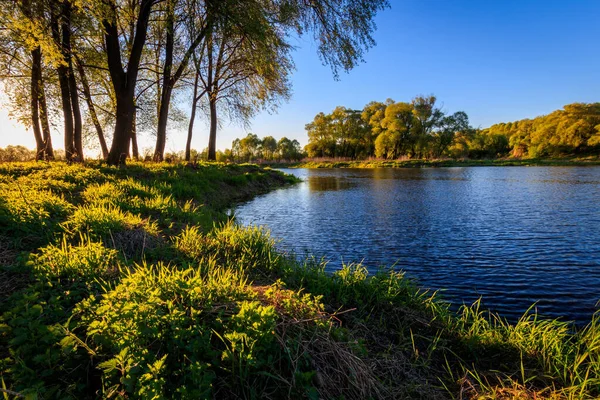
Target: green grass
point(502, 162)
point(133, 283)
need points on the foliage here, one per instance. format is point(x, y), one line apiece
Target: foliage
point(131, 62)
point(572, 130)
point(420, 130)
point(252, 148)
point(88, 259)
point(387, 130)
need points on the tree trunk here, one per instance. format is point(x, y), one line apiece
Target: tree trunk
point(188, 144)
point(124, 82)
point(37, 75)
point(167, 86)
point(48, 150)
point(91, 108)
point(212, 138)
point(134, 144)
point(36, 66)
point(36, 59)
point(77, 132)
point(122, 136)
point(163, 116)
point(77, 141)
point(63, 81)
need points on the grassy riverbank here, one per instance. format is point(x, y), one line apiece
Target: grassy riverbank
point(504, 162)
point(133, 283)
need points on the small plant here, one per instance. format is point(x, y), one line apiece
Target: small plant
point(101, 221)
point(87, 260)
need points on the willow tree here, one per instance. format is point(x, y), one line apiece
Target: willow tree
point(244, 70)
point(198, 14)
point(250, 47)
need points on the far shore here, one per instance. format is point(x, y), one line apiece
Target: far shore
point(504, 162)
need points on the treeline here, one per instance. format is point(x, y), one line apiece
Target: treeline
point(16, 153)
point(107, 70)
point(22, 153)
point(248, 149)
point(252, 148)
point(573, 130)
point(421, 129)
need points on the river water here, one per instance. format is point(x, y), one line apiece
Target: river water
point(510, 235)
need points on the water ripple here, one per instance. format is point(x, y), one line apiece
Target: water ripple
point(512, 235)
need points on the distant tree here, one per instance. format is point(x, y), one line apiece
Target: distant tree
point(289, 149)
point(269, 146)
point(445, 130)
point(249, 147)
point(321, 137)
point(17, 153)
point(399, 124)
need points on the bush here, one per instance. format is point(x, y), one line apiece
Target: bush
point(169, 333)
point(86, 260)
point(248, 249)
point(30, 213)
point(102, 221)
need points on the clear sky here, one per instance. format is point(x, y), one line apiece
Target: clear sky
point(497, 60)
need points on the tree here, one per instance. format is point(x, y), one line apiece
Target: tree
point(91, 107)
point(123, 80)
point(289, 149)
point(372, 114)
point(23, 41)
point(399, 123)
point(171, 72)
point(246, 68)
point(445, 130)
point(249, 147)
point(269, 146)
point(321, 140)
point(60, 25)
point(427, 118)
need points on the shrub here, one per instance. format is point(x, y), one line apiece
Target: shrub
point(101, 221)
point(250, 249)
point(87, 260)
point(28, 212)
point(165, 333)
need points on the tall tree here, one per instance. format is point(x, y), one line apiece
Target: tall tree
point(23, 39)
point(251, 48)
point(60, 23)
point(124, 81)
point(36, 66)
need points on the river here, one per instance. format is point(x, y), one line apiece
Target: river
point(510, 235)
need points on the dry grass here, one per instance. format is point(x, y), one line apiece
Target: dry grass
point(8, 255)
point(470, 389)
point(340, 373)
point(133, 243)
point(10, 281)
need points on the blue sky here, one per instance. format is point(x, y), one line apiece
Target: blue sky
point(496, 60)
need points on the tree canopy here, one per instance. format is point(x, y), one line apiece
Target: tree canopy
point(421, 129)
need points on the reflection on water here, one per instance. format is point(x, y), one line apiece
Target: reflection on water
point(325, 183)
point(513, 235)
